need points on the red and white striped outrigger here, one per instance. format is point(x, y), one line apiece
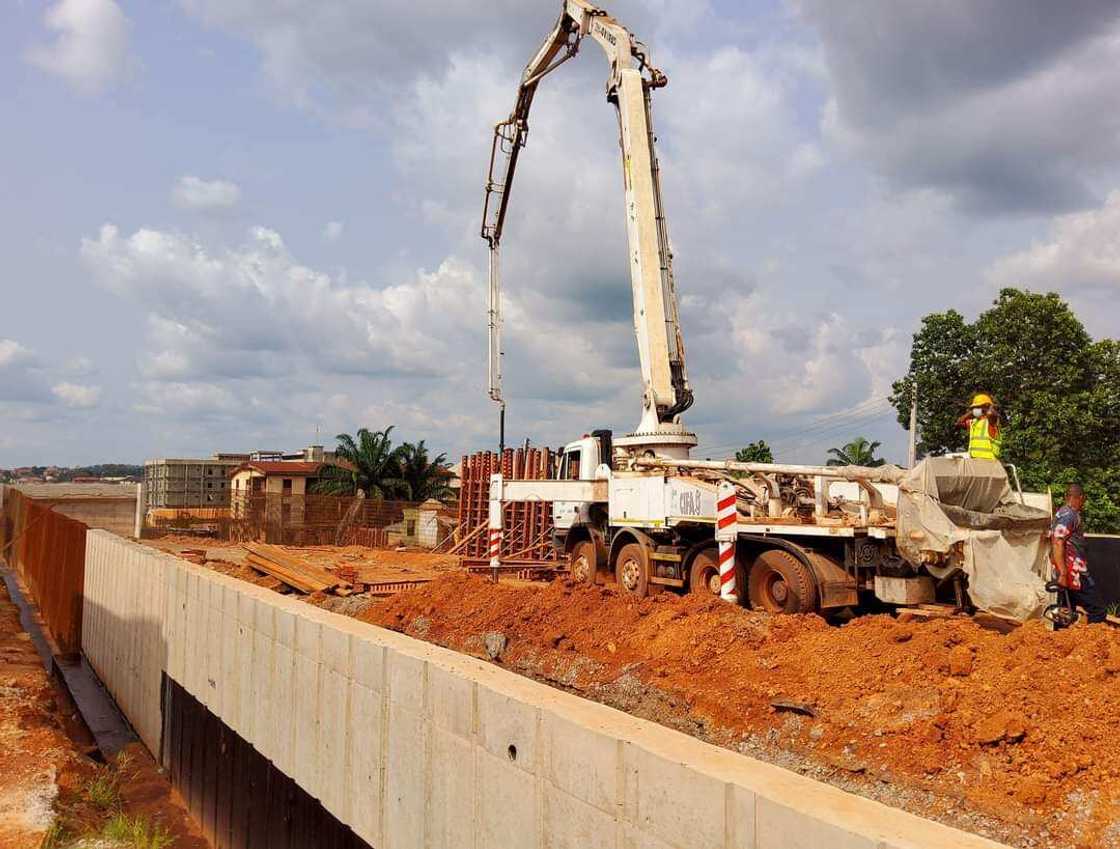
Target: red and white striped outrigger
point(726, 517)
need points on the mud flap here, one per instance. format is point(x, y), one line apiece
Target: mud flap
point(835, 586)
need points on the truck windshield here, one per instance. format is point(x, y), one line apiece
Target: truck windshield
point(570, 469)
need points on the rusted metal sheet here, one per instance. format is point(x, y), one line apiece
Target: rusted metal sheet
point(388, 588)
point(48, 551)
point(238, 796)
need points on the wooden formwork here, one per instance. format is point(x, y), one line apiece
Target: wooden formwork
point(527, 527)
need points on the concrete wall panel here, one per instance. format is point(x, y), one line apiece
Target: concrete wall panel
point(415, 746)
point(453, 788)
point(508, 809)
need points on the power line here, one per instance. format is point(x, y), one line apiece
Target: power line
point(866, 410)
point(852, 418)
point(834, 426)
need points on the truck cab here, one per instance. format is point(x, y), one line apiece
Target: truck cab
point(579, 461)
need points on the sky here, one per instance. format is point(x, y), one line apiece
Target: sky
point(233, 225)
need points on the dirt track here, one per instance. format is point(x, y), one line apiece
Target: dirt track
point(34, 749)
point(45, 773)
point(1014, 736)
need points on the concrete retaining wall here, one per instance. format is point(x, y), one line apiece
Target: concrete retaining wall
point(417, 746)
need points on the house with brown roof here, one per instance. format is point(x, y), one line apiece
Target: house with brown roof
point(279, 477)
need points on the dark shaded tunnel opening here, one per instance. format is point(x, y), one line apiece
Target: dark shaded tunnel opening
point(237, 796)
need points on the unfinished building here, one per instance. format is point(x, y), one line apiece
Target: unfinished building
point(189, 483)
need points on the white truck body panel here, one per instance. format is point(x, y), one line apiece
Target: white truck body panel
point(655, 501)
point(571, 499)
point(638, 501)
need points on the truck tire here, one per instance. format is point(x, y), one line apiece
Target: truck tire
point(631, 569)
point(583, 563)
point(780, 583)
point(703, 574)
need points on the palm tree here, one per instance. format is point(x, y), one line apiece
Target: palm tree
point(374, 466)
point(858, 452)
point(423, 478)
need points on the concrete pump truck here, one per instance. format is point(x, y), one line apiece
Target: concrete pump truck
point(784, 538)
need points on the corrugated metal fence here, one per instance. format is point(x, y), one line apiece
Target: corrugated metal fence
point(48, 552)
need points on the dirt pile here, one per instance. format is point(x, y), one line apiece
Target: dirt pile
point(1014, 735)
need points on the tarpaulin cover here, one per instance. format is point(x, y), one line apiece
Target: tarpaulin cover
point(944, 501)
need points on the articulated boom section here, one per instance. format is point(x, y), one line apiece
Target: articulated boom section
point(665, 388)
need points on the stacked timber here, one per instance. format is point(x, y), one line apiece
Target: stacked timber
point(296, 573)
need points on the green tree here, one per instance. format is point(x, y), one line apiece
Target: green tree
point(1058, 393)
point(858, 452)
point(374, 466)
point(423, 477)
point(756, 452)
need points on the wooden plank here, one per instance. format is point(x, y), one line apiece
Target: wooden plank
point(281, 565)
point(292, 578)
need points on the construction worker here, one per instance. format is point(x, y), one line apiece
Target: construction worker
point(1069, 555)
point(984, 436)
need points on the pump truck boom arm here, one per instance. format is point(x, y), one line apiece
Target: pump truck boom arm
point(666, 391)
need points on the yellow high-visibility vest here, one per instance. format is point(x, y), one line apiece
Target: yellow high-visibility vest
point(982, 446)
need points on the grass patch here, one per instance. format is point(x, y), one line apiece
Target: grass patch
point(136, 832)
point(103, 791)
point(55, 836)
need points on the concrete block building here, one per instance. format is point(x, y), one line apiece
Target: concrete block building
point(181, 483)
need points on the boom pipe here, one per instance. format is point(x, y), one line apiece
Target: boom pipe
point(879, 474)
point(666, 392)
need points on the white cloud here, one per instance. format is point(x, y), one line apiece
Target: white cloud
point(21, 377)
point(79, 366)
point(191, 192)
point(90, 47)
point(1004, 111)
point(338, 58)
point(194, 399)
point(793, 362)
point(255, 310)
point(77, 396)
point(1082, 251)
point(13, 353)
point(332, 232)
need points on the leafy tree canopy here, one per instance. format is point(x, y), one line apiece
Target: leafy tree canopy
point(1058, 393)
point(858, 452)
point(756, 452)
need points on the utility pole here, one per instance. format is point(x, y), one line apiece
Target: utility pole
point(913, 453)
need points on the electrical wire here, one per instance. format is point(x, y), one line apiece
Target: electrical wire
point(865, 411)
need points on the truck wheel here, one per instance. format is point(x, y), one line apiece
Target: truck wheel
point(632, 570)
point(703, 575)
point(780, 583)
point(583, 562)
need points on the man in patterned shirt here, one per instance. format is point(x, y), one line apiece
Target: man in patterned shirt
point(1068, 554)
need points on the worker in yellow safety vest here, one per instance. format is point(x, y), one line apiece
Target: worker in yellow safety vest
point(985, 439)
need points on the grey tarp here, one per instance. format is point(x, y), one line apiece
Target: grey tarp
point(943, 501)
